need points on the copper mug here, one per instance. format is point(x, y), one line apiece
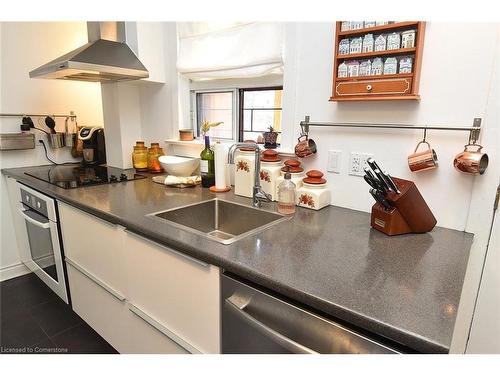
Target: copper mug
point(306, 147)
point(471, 162)
point(424, 160)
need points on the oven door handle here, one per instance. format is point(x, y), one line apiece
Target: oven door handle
point(34, 221)
point(283, 341)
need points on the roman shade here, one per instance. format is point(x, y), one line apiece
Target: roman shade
point(211, 50)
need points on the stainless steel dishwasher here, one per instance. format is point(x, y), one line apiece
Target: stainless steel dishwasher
point(256, 322)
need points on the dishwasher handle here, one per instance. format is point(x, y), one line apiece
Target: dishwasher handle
point(283, 341)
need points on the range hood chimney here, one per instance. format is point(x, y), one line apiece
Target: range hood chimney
point(105, 58)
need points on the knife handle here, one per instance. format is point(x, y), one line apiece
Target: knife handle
point(391, 182)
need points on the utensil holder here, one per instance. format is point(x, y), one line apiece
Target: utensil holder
point(409, 214)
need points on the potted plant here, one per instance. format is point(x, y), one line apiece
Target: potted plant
point(270, 138)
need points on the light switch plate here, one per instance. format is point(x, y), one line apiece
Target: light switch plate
point(334, 161)
point(357, 163)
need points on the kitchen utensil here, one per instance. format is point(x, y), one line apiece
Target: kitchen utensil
point(305, 147)
point(390, 182)
point(471, 162)
point(77, 149)
point(383, 183)
point(69, 136)
point(373, 182)
point(179, 166)
point(380, 198)
point(56, 140)
point(373, 164)
point(423, 160)
point(369, 173)
point(51, 124)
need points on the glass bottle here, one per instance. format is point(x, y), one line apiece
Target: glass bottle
point(154, 152)
point(207, 165)
point(140, 156)
point(286, 195)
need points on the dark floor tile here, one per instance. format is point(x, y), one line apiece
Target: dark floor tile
point(55, 316)
point(20, 330)
point(24, 291)
point(82, 340)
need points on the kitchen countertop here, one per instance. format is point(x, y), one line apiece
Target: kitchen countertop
point(405, 288)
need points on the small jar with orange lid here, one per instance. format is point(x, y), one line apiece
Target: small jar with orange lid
point(270, 167)
point(314, 192)
point(296, 172)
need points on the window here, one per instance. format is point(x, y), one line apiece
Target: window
point(260, 108)
point(245, 113)
point(216, 106)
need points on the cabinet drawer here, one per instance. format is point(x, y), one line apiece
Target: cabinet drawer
point(148, 337)
point(101, 309)
point(179, 293)
point(390, 86)
point(95, 245)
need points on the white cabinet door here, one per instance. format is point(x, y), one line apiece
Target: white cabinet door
point(177, 294)
point(103, 308)
point(95, 245)
point(485, 331)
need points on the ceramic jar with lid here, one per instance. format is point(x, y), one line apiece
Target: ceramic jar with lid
point(296, 172)
point(270, 167)
point(313, 193)
point(244, 172)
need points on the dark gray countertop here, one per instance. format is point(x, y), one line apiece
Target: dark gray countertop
point(405, 288)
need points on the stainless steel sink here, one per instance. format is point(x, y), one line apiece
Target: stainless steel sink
point(220, 220)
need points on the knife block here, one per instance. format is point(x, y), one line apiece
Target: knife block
point(409, 214)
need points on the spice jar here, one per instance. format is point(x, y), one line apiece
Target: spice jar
point(140, 156)
point(296, 173)
point(154, 152)
point(270, 168)
point(313, 193)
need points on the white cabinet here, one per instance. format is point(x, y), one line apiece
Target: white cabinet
point(140, 296)
point(105, 310)
point(178, 293)
point(95, 245)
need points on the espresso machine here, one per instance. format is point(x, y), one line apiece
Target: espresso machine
point(94, 147)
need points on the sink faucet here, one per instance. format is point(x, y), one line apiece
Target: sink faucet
point(259, 195)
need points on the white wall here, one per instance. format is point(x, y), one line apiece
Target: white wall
point(25, 46)
point(453, 92)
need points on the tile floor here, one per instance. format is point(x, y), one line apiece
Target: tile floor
point(35, 320)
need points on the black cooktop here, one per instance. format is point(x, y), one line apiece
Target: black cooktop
point(72, 176)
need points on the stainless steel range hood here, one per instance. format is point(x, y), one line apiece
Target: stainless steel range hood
point(105, 58)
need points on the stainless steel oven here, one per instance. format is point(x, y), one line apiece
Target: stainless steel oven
point(42, 254)
point(256, 322)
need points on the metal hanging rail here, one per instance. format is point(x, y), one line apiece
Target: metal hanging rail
point(474, 130)
point(70, 115)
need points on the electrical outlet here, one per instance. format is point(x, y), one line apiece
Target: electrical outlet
point(334, 161)
point(357, 163)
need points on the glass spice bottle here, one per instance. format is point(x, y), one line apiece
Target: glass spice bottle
point(140, 156)
point(154, 152)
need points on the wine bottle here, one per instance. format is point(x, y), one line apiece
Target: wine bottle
point(207, 165)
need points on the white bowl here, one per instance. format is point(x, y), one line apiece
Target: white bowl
point(178, 165)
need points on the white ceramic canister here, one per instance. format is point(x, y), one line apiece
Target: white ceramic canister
point(313, 193)
point(244, 172)
point(296, 172)
point(270, 169)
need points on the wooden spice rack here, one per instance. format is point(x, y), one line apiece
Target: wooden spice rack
point(380, 87)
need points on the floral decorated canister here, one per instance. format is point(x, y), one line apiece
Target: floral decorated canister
point(296, 172)
point(313, 193)
point(244, 172)
point(270, 167)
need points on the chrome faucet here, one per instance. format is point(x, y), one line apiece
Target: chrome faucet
point(259, 195)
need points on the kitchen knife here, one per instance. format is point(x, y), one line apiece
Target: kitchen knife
point(391, 182)
point(379, 197)
point(369, 173)
point(373, 182)
point(373, 164)
point(380, 177)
